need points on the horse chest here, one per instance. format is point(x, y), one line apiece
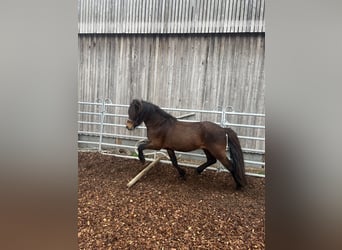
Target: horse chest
point(155, 134)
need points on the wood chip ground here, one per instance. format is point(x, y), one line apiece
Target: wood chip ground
point(162, 211)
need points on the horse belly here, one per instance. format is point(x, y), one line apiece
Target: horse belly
point(184, 147)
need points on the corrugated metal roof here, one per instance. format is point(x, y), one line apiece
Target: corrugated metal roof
point(171, 16)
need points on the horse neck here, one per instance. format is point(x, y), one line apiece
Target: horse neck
point(156, 119)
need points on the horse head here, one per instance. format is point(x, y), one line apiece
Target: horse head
point(134, 114)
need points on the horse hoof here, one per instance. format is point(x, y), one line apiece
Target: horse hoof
point(197, 171)
point(182, 175)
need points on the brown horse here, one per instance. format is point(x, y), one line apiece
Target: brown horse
point(165, 132)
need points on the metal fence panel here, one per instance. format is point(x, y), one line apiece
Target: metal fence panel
point(110, 124)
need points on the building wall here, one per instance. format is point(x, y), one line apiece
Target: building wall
point(199, 54)
point(189, 71)
point(171, 16)
point(180, 71)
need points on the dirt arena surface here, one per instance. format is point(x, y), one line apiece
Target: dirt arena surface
point(162, 211)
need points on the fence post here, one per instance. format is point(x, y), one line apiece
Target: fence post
point(103, 111)
point(223, 117)
point(224, 122)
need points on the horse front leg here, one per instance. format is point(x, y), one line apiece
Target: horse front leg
point(175, 163)
point(141, 148)
point(146, 145)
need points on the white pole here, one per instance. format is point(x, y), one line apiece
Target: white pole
point(143, 172)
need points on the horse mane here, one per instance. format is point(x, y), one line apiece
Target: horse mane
point(150, 108)
point(140, 111)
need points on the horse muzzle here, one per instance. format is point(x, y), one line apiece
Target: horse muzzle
point(130, 124)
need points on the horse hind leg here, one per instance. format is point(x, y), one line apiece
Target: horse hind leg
point(222, 157)
point(210, 160)
point(175, 163)
point(228, 164)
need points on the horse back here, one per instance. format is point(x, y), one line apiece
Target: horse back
point(188, 136)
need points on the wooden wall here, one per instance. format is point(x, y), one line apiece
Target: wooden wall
point(171, 16)
point(199, 54)
point(198, 71)
point(189, 71)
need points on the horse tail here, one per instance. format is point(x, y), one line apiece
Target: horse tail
point(236, 156)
